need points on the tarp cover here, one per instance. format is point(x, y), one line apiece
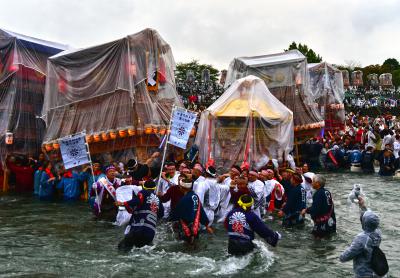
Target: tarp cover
point(328, 91)
point(22, 81)
point(246, 124)
point(123, 83)
point(286, 76)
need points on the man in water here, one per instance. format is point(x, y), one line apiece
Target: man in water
point(322, 210)
point(241, 224)
point(360, 250)
point(105, 191)
point(190, 213)
point(146, 209)
point(296, 202)
point(256, 188)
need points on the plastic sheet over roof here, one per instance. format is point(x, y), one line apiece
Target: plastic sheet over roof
point(287, 78)
point(328, 91)
point(23, 62)
point(245, 124)
point(124, 83)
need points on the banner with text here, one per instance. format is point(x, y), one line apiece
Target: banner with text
point(182, 123)
point(73, 151)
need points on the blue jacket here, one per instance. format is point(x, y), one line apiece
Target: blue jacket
point(187, 207)
point(36, 181)
point(46, 188)
point(146, 209)
point(242, 224)
point(322, 204)
point(296, 201)
point(360, 250)
point(71, 186)
point(355, 157)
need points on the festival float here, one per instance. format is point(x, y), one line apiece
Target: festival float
point(357, 78)
point(346, 78)
point(286, 76)
point(245, 125)
point(373, 80)
point(23, 62)
point(328, 91)
point(385, 80)
point(119, 93)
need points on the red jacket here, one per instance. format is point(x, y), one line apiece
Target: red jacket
point(174, 194)
point(23, 177)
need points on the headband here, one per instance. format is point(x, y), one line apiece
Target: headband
point(243, 205)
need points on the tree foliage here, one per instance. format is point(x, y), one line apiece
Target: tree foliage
point(390, 65)
point(312, 57)
point(197, 68)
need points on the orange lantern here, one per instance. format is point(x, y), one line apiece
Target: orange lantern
point(155, 129)
point(122, 133)
point(148, 129)
point(56, 146)
point(96, 137)
point(48, 147)
point(193, 132)
point(162, 131)
point(105, 136)
point(89, 138)
point(113, 134)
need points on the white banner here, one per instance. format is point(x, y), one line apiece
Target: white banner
point(182, 123)
point(73, 151)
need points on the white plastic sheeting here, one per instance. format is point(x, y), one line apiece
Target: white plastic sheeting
point(328, 91)
point(245, 124)
point(124, 83)
point(286, 76)
point(22, 82)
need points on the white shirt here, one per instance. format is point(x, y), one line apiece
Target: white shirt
point(200, 187)
point(257, 188)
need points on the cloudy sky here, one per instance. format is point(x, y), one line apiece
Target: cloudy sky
point(215, 31)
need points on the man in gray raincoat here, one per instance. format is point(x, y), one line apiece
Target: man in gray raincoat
point(360, 250)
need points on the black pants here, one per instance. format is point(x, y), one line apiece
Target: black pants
point(239, 247)
point(135, 238)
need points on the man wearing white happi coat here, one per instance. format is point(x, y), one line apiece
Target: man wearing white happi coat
point(256, 188)
point(224, 184)
point(199, 185)
point(212, 196)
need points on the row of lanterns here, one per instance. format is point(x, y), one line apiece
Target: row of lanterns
point(309, 126)
point(120, 133)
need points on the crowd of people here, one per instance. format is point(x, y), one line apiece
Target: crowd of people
point(367, 145)
point(194, 198)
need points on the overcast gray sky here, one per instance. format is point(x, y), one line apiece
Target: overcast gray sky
point(216, 31)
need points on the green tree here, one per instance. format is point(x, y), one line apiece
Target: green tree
point(396, 77)
point(312, 57)
point(390, 65)
point(197, 68)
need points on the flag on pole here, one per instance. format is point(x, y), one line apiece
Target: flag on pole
point(182, 123)
point(73, 151)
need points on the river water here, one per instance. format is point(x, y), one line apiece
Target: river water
point(62, 240)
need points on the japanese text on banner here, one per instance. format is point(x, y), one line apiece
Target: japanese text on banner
point(73, 151)
point(182, 124)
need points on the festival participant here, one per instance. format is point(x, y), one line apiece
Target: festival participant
point(322, 210)
point(212, 196)
point(47, 184)
point(104, 190)
point(37, 176)
point(296, 202)
point(174, 193)
point(242, 223)
point(169, 178)
point(224, 198)
point(269, 182)
point(256, 188)
point(237, 189)
point(70, 184)
point(361, 249)
point(136, 170)
point(125, 192)
point(307, 185)
point(23, 174)
point(396, 150)
point(367, 160)
point(285, 178)
point(146, 210)
point(387, 163)
point(190, 214)
point(200, 187)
